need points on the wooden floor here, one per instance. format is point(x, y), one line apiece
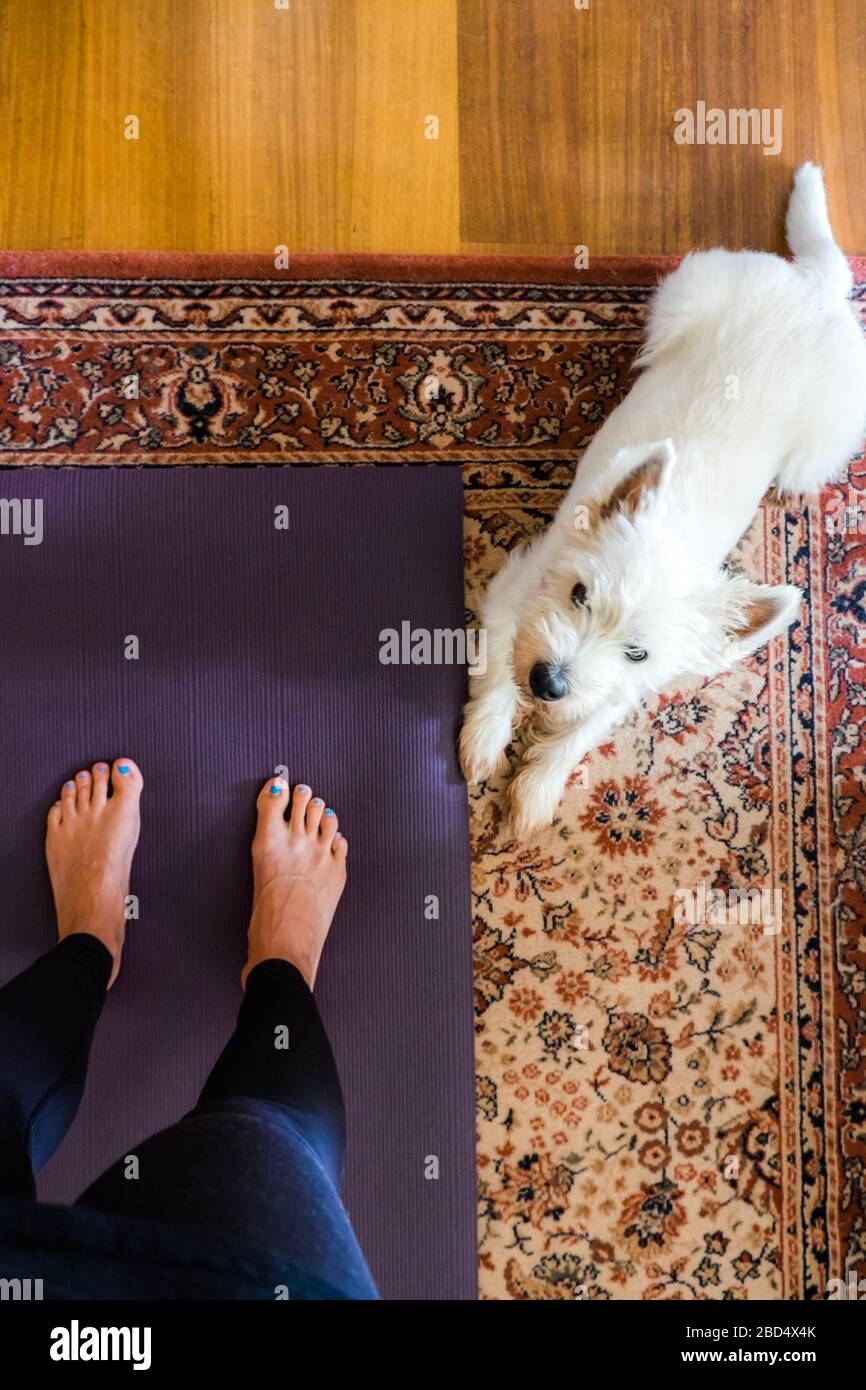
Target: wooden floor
point(309, 125)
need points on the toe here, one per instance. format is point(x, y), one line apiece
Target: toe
point(300, 800)
point(340, 847)
point(314, 815)
point(125, 778)
point(273, 799)
point(328, 826)
point(82, 783)
point(99, 784)
point(67, 798)
point(55, 816)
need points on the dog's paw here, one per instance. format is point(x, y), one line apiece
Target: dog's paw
point(533, 796)
point(483, 740)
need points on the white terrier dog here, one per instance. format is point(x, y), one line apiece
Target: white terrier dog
point(754, 370)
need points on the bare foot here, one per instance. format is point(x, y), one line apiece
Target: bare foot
point(299, 873)
point(89, 845)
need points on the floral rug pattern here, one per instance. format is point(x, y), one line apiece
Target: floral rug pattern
point(671, 980)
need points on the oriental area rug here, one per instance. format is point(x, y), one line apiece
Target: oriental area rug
point(671, 1104)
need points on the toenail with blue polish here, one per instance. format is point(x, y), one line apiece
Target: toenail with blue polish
point(83, 776)
point(100, 767)
point(303, 789)
point(123, 769)
point(317, 801)
point(275, 789)
point(70, 785)
point(329, 812)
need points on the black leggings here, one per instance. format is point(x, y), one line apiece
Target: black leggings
point(259, 1158)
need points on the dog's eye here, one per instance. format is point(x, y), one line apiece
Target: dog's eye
point(578, 596)
point(636, 653)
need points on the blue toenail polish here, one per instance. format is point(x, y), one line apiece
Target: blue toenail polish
point(70, 785)
point(329, 812)
point(100, 767)
point(303, 789)
point(317, 801)
point(123, 769)
point(83, 776)
point(275, 789)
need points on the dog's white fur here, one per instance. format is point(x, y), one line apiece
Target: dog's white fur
point(753, 370)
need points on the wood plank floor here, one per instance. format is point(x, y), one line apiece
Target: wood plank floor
point(420, 125)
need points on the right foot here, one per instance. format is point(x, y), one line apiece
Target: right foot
point(299, 873)
point(89, 845)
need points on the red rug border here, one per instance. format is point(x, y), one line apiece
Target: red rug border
point(206, 265)
point(324, 266)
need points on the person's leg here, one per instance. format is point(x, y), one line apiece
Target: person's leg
point(260, 1156)
point(280, 1050)
point(48, 1013)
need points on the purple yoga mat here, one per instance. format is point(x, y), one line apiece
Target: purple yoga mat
point(258, 647)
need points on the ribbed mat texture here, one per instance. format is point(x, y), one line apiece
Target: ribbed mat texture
point(258, 647)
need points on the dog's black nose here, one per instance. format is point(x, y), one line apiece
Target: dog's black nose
point(546, 682)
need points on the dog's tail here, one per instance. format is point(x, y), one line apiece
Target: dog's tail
point(810, 235)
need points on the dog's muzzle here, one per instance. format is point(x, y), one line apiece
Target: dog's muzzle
point(546, 682)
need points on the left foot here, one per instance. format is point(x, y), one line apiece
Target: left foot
point(89, 845)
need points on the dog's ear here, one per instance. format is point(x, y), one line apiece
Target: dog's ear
point(755, 613)
point(643, 470)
